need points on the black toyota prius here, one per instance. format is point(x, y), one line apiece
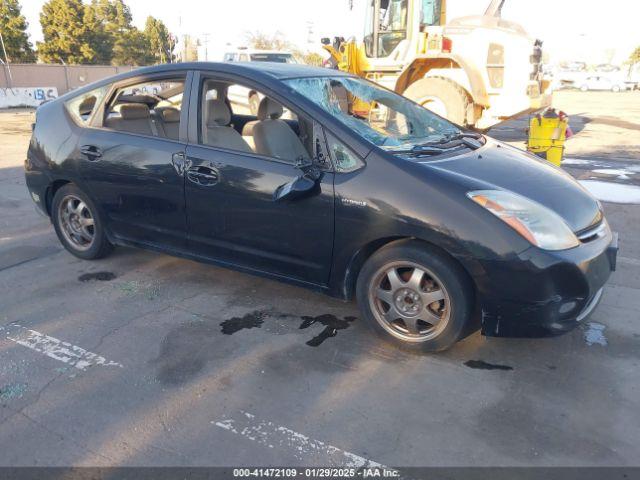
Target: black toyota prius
point(336, 184)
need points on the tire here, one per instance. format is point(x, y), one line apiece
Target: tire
point(82, 235)
point(254, 103)
point(438, 92)
point(615, 88)
point(441, 277)
point(584, 88)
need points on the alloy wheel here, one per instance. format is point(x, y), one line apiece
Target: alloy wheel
point(76, 222)
point(409, 301)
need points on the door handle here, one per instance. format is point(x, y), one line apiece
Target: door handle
point(91, 152)
point(201, 175)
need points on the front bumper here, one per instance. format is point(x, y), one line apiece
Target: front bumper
point(545, 293)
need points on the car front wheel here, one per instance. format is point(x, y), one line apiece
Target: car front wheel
point(77, 224)
point(415, 296)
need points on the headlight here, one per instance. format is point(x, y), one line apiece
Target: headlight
point(541, 226)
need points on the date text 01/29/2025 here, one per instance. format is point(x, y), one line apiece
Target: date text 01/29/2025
point(316, 472)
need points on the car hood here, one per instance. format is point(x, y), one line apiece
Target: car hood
point(504, 167)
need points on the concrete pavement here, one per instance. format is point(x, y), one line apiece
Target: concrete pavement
point(145, 359)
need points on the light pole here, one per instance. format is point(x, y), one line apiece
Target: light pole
point(6, 61)
point(206, 46)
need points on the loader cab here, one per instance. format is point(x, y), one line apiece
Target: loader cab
point(386, 26)
point(390, 23)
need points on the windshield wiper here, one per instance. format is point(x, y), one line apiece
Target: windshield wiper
point(421, 150)
point(470, 139)
point(449, 141)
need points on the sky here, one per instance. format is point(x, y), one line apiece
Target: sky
point(582, 30)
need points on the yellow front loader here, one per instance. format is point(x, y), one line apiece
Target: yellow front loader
point(474, 70)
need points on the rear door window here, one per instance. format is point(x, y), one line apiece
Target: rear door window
point(151, 108)
point(82, 106)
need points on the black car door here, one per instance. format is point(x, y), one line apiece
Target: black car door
point(234, 218)
point(128, 160)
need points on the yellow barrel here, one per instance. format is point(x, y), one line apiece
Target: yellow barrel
point(547, 133)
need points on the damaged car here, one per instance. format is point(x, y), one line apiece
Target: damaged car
point(333, 183)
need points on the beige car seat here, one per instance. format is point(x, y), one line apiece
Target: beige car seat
point(170, 120)
point(217, 131)
point(134, 118)
point(273, 137)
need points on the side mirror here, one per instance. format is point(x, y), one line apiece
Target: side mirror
point(305, 185)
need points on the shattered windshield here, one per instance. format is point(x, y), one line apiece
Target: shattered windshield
point(383, 117)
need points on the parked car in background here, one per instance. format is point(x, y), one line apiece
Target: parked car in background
point(601, 82)
point(254, 55)
point(246, 97)
point(431, 227)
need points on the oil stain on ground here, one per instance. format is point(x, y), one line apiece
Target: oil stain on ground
point(256, 319)
point(250, 320)
point(331, 326)
point(97, 276)
point(187, 348)
point(482, 365)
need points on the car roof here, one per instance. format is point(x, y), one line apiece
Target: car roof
point(271, 70)
point(260, 71)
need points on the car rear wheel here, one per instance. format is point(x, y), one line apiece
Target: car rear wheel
point(615, 88)
point(77, 224)
point(584, 88)
point(415, 296)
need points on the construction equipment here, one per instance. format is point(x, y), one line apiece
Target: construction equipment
point(476, 70)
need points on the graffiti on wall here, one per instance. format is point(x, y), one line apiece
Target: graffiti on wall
point(26, 97)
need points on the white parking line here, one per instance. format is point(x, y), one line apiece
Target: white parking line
point(271, 435)
point(52, 347)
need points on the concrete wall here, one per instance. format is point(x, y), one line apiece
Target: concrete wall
point(26, 96)
point(61, 77)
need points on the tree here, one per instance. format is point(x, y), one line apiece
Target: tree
point(161, 44)
point(13, 27)
point(97, 37)
point(634, 58)
point(190, 48)
point(109, 22)
point(114, 15)
point(132, 48)
point(263, 41)
point(310, 58)
point(67, 38)
point(277, 41)
point(100, 32)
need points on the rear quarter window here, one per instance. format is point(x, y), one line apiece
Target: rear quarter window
point(82, 106)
